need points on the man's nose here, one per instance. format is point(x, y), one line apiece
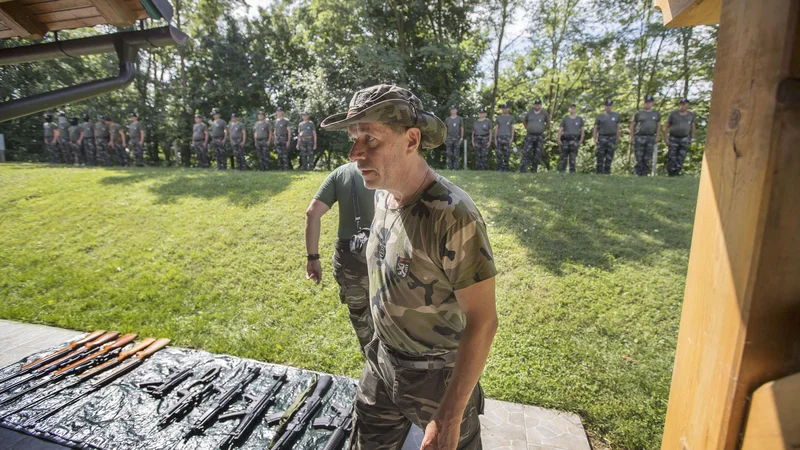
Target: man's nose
point(357, 152)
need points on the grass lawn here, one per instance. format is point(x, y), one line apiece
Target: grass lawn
point(591, 276)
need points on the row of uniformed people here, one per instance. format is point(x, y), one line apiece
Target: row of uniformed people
point(265, 132)
point(645, 129)
point(69, 142)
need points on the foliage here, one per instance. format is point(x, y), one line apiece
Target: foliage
point(591, 275)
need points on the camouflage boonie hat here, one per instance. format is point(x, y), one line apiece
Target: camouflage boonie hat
point(389, 104)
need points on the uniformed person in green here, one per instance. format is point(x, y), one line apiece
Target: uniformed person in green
point(537, 122)
point(431, 281)
point(606, 136)
point(262, 136)
point(503, 137)
point(680, 129)
point(645, 128)
point(51, 139)
point(102, 135)
point(74, 134)
point(283, 136)
point(306, 142)
point(219, 134)
point(200, 141)
point(117, 142)
point(570, 138)
point(64, 148)
point(455, 136)
point(481, 136)
point(356, 208)
point(238, 136)
point(136, 139)
point(87, 142)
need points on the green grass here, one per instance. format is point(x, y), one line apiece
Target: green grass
point(591, 272)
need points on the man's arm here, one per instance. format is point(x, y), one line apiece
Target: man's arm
point(658, 131)
point(57, 133)
point(560, 131)
point(691, 132)
point(495, 135)
point(462, 131)
point(315, 139)
point(583, 133)
point(244, 136)
point(141, 135)
point(478, 304)
point(473, 137)
point(594, 134)
point(666, 129)
point(205, 143)
point(314, 213)
point(633, 131)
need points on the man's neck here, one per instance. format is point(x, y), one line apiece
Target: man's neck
point(573, 115)
point(648, 109)
point(419, 174)
point(453, 116)
point(683, 113)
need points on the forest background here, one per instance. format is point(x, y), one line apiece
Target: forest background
point(313, 54)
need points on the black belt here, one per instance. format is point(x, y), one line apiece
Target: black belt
point(608, 135)
point(218, 137)
point(646, 135)
point(481, 135)
point(343, 243)
point(535, 134)
point(421, 362)
point(570, 138)
point(678, 137)
point(306, 137)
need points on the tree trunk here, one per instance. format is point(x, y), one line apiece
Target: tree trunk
point(503, 19)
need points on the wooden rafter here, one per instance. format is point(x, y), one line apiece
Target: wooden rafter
point(21, 21)
point(683, 13)
point(115, 12)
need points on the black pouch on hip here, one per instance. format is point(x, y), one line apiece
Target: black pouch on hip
point(358, 243)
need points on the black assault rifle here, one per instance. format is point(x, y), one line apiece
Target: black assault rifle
point(221, 404)
point(252, 415)
point(190, 398)
point(295, 420)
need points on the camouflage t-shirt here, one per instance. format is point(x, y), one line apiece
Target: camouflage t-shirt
point(101, 130)
point(114, 132)
point(134, 131)
point(282, 127)
point(48, 130)
point(454, 126)
point(537, 122)
point(262, 128)
point(218, 128)
point(199, 131)
point(418, 256)
point(235, 131)
point(505, 123)
point(306, 129)
point(87, 129)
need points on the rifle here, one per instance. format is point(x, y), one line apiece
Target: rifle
point(60, 352)
point(119, 370)
point(38, 370)
point(121, 357)
point(213, 412)
point(342, 423)
point(252, 414)
point(189, 398)
point(106, 352)
point(293, 425)
point(159, 389)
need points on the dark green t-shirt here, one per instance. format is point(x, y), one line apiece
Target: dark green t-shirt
point(199, 131)
point(454, 127)
point(282, 127)
point(607, 124)
point(63, 128)
point(262, 128)
point(49, 127)
point(235, 130)
point(218, 127)
point(505, 124)
point(306, 129)
point(101, 130)
point(74, 133)
point(87, 129)
point(680, 125)
point(337, 187)
point(647, 122)
point(114, 133)
point(572, 127)
point(482, 127)
point(537, 122)
point(134, 131)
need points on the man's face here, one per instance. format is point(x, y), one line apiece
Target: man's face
point(482, 115)
point(537, 107)
point(505, 110)
point(280, 114)
point(609, 108)
point(261, 117)
point(572, 110)
point(377, 149)
point(234, 119)
point(684, 107)
point(305, 117)
point(453, 112)
point(648, 105)
point(197, 119)
point(216, 116)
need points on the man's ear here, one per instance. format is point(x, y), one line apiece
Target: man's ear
point(414, 136)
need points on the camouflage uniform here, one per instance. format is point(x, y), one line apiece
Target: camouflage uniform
point(606, 147)
point(481, 129)
point(282, 142)
point(505, 125)
point(235, 132)
point(571, 127)
point(305, 143)
point(531, 152)
point(262, 129)
point(135, 142)
point(87, 144)
point(50, 148)
point(102, 134)
point(199, 144)
point(452, 141)
point(218, 127)
point(74, 132)
point(64, 147)
point(679, 140)
point(646, 127)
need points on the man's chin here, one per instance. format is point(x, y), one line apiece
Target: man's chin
point(371, 179)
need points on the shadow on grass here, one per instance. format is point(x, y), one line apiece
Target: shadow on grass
point(591, 220)
point(239, 188)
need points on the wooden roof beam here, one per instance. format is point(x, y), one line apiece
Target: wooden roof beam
point(21, 21)
point(116, 12)
point(685, 13)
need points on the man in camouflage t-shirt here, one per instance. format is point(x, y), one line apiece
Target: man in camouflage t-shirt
point(680, 127)
point(51, 139)
point(136, 139)
point(283, 135)
point(431, 281)
point(219, 133)
point(262, 136)
point(238, 137)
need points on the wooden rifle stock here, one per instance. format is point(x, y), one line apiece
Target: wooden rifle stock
point(121, 357)
point(90, 337)
point(119, 343)
point(105, 338)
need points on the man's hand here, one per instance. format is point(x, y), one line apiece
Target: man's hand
point(441, 435)
point(314, 271)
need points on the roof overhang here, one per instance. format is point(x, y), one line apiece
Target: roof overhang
point(685, 13)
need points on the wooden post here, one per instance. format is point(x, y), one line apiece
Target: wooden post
point(740, 325)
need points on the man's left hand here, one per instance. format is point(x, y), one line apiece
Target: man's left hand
point(441, 435)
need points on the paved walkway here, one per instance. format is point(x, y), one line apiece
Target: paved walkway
point(505, 426)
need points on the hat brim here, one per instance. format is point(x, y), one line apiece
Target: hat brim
point(396, 111)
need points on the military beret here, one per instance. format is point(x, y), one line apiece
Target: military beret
point(85, 116)
point(101, 117)
point(133, 114)
point(262, 113)
point(609, 102)
point(573, 105)
point(73, 120)
point(648, 98)
point(214, 111)
point(453, 107)
point(198, 116)
point(538, 101)
point(505, 105)
point(305, 113)
point(48, 116)
point(482, 110)
point(278, 109)
point(61, 114)
point(684, 100)
point(234, 115)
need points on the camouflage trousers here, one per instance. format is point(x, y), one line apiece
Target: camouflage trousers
point(643, 150)
point(238, 152)
point(306, 147)
point(52, 151)
point(90, 158)
point(532, 152)
point(77, 153)
point(102, 152)
point(262, 148)
point(282, 150)
point(391, 398)
point(65, 151)
point(452, 153)
point(353, 279)
point(678, 148)
point(481, 152)
point(569, 153)
point(138, 152)
point(200, 149)
point(218, 145)
point(503, 152)
point(606, 146)
point(122, 155)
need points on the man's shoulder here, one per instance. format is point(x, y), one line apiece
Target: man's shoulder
point(447, 202)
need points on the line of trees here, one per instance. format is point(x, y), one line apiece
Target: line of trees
point(313, 54)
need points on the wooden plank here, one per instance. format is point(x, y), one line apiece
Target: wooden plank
point(70, 14)
point(683, 13)
point(134, 5)
point(17, 18)
point(59, 5)
point(76, 23)
point(742, 300)
point(116, 12)
point(773, 421)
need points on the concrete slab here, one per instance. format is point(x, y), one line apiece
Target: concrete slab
point(504, 426)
